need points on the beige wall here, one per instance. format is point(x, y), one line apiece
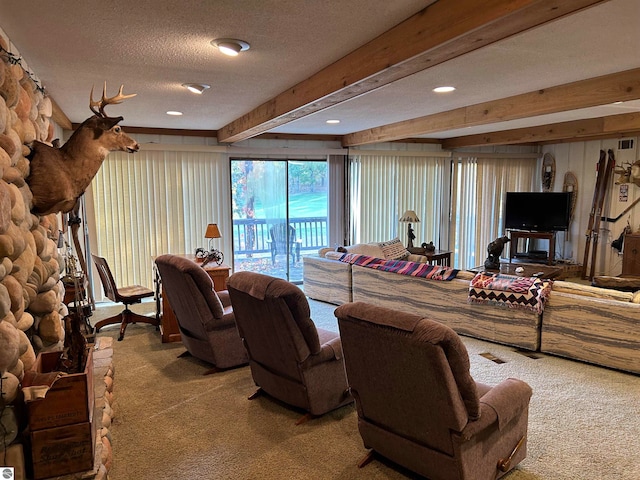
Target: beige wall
point(581, 159)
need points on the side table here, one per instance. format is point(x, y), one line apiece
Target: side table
point(436, 257)
point(169, 330)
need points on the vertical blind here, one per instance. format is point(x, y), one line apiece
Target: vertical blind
point(157, 202)
point(383, 187)
point(479, 188)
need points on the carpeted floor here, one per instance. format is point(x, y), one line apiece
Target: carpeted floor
point(173, 422)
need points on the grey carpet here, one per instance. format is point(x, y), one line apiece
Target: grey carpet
point(173, 422)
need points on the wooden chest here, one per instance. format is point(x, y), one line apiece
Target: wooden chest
point(62, 450)
point(69, 399)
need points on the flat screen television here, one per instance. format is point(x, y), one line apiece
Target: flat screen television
point(537, 211)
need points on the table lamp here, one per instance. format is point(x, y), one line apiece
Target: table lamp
point(410, 216)
point(213, 232)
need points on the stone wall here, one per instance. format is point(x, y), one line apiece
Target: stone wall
point(31, 290)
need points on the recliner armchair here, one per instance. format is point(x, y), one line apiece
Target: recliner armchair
point(417, 403)
point(205, 317)
point(290, 358)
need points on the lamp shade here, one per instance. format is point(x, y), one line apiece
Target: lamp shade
point(212, 231)
point(409, 216)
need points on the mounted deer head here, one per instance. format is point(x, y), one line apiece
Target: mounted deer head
point(634, 173)
point(59, 176)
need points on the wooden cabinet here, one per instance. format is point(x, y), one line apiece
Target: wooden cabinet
point(169, 330)
point(631, 255)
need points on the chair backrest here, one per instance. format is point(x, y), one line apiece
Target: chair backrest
point(191, 295)
point(274, 320)
point(283, 234)
point(106, 277)
point(408, 374)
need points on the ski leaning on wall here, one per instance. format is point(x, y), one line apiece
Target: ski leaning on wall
point(595, 214)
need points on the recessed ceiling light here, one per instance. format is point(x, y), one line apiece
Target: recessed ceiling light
point(174, 113)
point(230, 46)
point(198, 88)
point(444, 89)
point(333, 121)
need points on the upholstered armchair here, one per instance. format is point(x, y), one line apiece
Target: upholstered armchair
point(290, 359)
point(417, 403)
point(205, 317)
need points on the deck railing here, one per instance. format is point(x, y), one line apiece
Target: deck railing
point(252, 235)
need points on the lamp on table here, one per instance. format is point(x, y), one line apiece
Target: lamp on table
point(410, 216)
point(212, 255)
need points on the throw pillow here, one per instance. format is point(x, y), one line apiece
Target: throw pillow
point(394, 250)
point(368, 249)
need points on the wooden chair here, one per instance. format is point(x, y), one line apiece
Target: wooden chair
point(283, 238)
point(125, 295)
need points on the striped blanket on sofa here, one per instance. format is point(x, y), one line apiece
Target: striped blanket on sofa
point(527, 293)
point(402, 267)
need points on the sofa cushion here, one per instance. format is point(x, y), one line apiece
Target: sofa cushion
point(368, 249)
point(589, 291)
point(393, 250)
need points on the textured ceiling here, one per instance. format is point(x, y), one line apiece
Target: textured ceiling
point(152, 47)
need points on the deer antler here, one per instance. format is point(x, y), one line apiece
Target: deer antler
point(106, 101)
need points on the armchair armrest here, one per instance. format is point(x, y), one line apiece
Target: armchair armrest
point(223, 295)
point(502, 403)
point(331, 350)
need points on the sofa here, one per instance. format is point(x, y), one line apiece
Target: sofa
point(591, 324)
point(328, 280)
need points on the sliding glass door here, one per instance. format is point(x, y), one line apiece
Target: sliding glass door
point(279, 214)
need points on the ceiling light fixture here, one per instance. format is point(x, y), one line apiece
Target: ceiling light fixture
point(174, 113)
point(444, 89)
point(230, 46)
point(198, 88)
point(333, 121)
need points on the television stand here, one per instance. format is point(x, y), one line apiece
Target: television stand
point(516, 235)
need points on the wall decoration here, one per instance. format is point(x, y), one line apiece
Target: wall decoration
point(548, 172)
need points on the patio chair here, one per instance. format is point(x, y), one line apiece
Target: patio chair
point(283, 241)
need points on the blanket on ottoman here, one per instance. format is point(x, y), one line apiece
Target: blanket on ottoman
point(414, 269)
point(528, 293)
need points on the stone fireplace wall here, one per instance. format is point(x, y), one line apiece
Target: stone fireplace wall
point(31, 308)
point(31, 291)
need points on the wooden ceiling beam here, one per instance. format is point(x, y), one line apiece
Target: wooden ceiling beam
point(442, 31)
point(621, 86)
point(59, 117)
point(610, 126)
